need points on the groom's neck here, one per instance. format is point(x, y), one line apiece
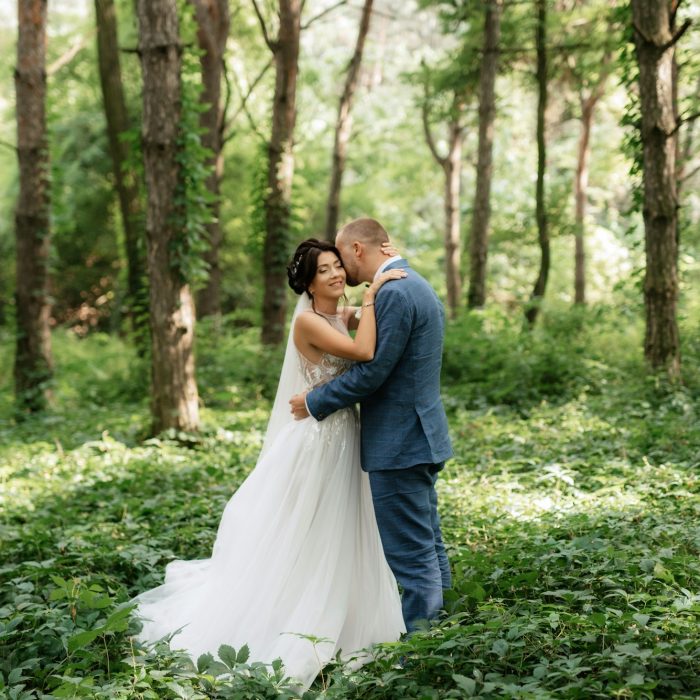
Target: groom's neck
point(372, 265)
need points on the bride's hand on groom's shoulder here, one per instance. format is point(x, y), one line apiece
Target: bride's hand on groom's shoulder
point(389, 249)
point(298, 406)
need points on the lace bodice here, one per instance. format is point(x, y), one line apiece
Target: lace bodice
point(329, 366)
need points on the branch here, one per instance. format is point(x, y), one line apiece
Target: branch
point(428, 133)
point(244, 108)
point(675, 38)
point(687, 176)
point(324, 13)
point(244, 102)
point(272, 46)
point(8, 145)
point(68, 56)
point(680, 123)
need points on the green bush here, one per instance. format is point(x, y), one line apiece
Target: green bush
point(491, 358)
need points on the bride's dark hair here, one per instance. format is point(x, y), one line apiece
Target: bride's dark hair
point(302, 269)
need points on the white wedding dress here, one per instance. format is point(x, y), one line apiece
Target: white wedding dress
point(297, 551)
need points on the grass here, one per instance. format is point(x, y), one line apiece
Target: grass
point(570, 511)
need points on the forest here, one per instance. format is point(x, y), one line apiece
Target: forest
point(537, 161)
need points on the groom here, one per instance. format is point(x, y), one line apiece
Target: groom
point(403, 424)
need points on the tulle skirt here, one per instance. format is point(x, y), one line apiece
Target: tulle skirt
point(297, 555)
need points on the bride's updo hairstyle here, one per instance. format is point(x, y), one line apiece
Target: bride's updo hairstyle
point(302, 269)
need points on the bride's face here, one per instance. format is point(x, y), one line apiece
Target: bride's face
point(329, 280)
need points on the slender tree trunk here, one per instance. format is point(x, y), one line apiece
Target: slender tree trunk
point(213, 23)
point(344, 123)
point(541, 211)
point(174, 400)
point(655, 53)
point(280, 172)
point(484, 170)
point(451, 165)
point(117, 123)
point(581, 194)
point(686, 152)
point(453, 179)
point(33, 363)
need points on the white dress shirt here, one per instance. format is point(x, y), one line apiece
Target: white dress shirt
point(386, 264)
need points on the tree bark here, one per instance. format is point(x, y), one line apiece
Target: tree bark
point(344, 123)
point(451, 165)
point(478, 247)
point(174, 400)
point(581, 193)
point(33, 362)
point(117, 123)
point(655, 49)
point(280, 172)
point(541, 211)
point(453, 247)
point(213, 23)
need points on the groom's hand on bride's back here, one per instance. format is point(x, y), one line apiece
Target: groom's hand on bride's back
point(298, 406)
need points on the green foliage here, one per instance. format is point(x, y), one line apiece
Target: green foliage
point(569, 510)
point(192, 210)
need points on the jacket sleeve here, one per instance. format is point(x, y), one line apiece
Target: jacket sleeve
point(394, 323)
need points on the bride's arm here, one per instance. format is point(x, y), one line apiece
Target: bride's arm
point(312, 329)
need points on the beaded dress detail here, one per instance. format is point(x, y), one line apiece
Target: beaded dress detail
point(328, 366)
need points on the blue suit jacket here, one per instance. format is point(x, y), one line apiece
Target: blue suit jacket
point(403, 421)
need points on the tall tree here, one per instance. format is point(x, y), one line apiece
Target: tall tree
point(280, 167)
point(213, 22)
point(344, 123)
point(117, 124)
point(478, 241)
point(655, 48)
point(174, 391)
point(451, 164)
point(540, 203)
point(588, 101)
point(33, 363)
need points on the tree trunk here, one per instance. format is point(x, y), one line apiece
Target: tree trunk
point(453, 178)
point(174, 400)
point(451, 165)
point(280, 173)
point(344, 123)
point(213, 23)
point(117, 123)
point(482, 198)
point(581, 193)
point(655, 53)
point(33, 363)
point(541, 212)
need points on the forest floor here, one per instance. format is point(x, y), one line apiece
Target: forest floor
point(571, 512)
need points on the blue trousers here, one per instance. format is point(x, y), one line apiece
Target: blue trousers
point(405, 503)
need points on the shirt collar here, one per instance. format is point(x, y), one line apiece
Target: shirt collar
point(386, 264)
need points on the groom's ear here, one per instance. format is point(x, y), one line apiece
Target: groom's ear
point(358, 248)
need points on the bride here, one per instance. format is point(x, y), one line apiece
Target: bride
point(297, 556)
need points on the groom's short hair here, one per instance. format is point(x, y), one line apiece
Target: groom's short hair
point(367, 231)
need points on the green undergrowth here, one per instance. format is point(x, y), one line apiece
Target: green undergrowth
point(570, 510)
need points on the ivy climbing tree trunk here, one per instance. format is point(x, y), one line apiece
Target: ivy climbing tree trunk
point(280, 168)
point(33, 363)
point(540, 201)
point(344, 123)
point(478, 241)
point(213, 23)
point(174, 401)
point(117, 124)
point(655, 49)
